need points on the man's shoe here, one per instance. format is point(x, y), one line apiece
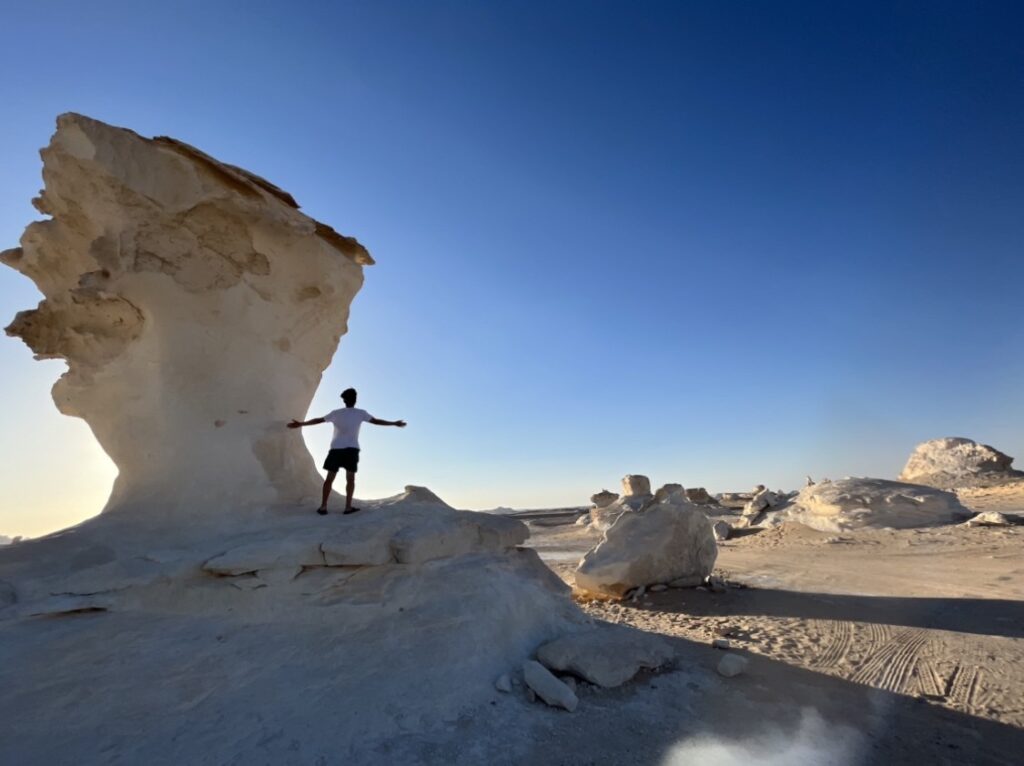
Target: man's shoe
point(322, 511)
point(351, 510)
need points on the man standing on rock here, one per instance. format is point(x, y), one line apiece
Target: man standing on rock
point(344, 452)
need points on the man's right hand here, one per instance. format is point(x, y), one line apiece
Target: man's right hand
point(295, 424)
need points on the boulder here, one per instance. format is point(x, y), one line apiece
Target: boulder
point(636, 485)
point(956, 462)
point(699, 496)
point(736, 500)
point(732, 665)
point(546, 686)
point(666, 542)
point(988, 519)
point(852, 503)
point(722, 529)
point(607, 655)
point(603, 518)
point(603, 499)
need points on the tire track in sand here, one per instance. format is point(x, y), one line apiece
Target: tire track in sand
point(893, 664)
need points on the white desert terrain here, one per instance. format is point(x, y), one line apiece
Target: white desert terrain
point(208, 616)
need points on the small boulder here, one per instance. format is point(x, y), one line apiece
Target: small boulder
point(722, 529)
point(503, 683)
point(988, 519)
point(548, 687)
point(732, 665)
point(583, 521)
point(607, 655)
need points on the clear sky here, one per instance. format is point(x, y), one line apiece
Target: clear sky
point(717, 243)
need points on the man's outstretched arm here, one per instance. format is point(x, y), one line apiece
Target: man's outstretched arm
point(379, 422)
point(301, 423)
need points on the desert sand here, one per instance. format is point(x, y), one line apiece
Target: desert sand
point(909, 641)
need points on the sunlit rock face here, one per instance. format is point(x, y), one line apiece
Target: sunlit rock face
point(957, 462)
point(196, 308)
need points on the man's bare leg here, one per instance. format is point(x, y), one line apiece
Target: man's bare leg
point(327, 491)
point(350, 487)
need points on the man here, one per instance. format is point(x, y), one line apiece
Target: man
point(344, 452)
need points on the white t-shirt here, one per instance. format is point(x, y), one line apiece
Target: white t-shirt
point(346, 424)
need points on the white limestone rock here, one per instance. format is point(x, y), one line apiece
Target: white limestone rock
point(636, 484)
point(852, 503)
point(732, 665)
point(988, 519)
point(196, 308)
point(957, 462)
point(607, 655)
point(503, 683)
point(734, 500)
point(546, 686)
point(602, 519)
point(670, 541)
point(699, 496)
point(603, 498)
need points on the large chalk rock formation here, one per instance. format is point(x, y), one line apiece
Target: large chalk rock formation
point(855, 503)
point(196, 308)
point(957, 462)
point(208, 615)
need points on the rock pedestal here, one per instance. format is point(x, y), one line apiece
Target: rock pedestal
point(196, 308)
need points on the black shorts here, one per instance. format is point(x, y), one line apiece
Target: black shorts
point(347, 458)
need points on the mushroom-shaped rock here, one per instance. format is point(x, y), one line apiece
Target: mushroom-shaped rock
point(852, 503)
point(196, 308)
point(607, 655)
point(670, 541)
point(635, 484)
point(957, 462)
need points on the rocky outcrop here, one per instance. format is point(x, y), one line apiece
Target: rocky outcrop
point(196, 307)
point(852, 503)
point(606, 655)
point(957, 462)
point(699, 496)
point(664, 541)
point(636, 485)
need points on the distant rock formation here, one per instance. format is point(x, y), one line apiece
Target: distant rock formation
point(957, 462)
point(635, 484)
point(196, 308)
point(603, 498)
point(855, 503)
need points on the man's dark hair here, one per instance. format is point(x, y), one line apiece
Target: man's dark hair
point(349, 396)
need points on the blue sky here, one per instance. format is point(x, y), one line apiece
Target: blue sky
point(717, 243)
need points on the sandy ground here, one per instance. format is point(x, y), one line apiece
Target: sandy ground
point(908, 644)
